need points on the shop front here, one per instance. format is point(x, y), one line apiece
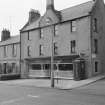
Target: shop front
point(41, 67)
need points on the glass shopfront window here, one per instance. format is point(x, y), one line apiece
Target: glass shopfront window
point(65, 67)
point(36, 66)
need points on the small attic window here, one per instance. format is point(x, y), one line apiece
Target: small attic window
point(47, 21)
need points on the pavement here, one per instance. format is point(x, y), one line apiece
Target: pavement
point(60, 84)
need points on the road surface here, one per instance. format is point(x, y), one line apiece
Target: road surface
point(93, 94)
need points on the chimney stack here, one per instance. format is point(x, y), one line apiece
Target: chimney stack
point(5, 35)
point(49, 4)
point(33, 15)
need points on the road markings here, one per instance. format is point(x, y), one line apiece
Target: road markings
point(33, 96)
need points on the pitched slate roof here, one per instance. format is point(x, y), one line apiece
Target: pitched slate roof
point(13, 39)
point(77, 11)
point(66, 14)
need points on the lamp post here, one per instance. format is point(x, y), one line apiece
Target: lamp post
point(52, 56)
point(49, 21)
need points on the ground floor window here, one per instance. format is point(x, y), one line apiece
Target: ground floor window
point(36, 66)
point(4, 70)
point(61, 67)
point(96, 66)
point(65, 67)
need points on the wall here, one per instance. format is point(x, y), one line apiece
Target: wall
point(99, 13)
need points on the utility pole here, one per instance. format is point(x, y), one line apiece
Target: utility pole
point(50, 22)
point(52, 56)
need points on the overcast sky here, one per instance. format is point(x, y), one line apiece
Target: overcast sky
point(14, 13)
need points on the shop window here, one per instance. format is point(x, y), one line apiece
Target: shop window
point(65, 67)
point(47, 66)
point(36, 66)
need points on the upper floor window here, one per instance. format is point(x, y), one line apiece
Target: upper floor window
point(95, 46)
point(29, 51)
point(14, 50)
point(48, 20)
point(73, 26)
point(5, 51)
point(41, 50)
point(29, 37)
point(55, 48)
point(41, 33)
point(73, 46)
point(56, 30)
point(95, 25)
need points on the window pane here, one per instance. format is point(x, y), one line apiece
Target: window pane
point(96, 66)
point(95, 25)
point(41, 50)
point(65, 67)
point(95, 46)
point(14, 50)
point(36, 67)
point(55, 49)
point(73, 46)
point(29, 51)
point(41, 33)
point(56, 30)
point(73, 26)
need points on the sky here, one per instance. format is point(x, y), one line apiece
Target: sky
point(14, 13)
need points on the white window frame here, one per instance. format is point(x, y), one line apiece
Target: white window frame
point(73, 26)
point(41, 50)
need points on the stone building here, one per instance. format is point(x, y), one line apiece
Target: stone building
point(77, 32)
point(9, 53)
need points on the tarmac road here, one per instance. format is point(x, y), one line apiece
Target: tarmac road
point(93, 94)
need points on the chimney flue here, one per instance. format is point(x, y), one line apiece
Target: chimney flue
point(50, 4)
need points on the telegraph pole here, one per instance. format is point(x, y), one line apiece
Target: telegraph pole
point(52, 56)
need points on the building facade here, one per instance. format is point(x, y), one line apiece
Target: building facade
point(75, 32)
point(9, 54)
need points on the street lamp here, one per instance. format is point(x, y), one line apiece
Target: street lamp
point(52, 57)
point(49, 22)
